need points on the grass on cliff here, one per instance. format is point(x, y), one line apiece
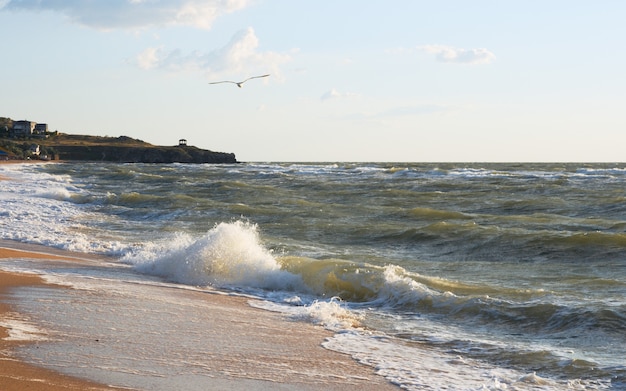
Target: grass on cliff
point(63, 139)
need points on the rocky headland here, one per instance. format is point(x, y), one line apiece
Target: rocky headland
point(127, 150)
point(121, 149)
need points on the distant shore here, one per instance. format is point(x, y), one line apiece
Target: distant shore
point(27, 161)
point(123, 149)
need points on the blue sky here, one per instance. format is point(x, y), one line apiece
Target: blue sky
point(350, 80)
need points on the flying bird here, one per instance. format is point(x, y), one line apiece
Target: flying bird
point(239, 83)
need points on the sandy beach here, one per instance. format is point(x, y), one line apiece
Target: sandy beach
point(293, 364)
point(17, 375)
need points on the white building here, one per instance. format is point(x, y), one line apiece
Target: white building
point(23, 128)
point(34, 150)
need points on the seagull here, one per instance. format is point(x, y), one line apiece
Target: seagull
point(239, 83)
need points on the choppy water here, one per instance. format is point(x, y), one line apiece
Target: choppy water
point(442, 276)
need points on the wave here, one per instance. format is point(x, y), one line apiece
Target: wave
point(597, 238)
point(231, 255)
point(437, 214)
point(134, 198)
point(59, 194)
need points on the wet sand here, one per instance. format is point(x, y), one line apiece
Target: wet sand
point(290, 351)
point(15, 374)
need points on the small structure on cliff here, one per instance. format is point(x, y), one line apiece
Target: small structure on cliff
point(22, 128)
point(182, 142)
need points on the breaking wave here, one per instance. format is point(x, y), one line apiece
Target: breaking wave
point(228, 255)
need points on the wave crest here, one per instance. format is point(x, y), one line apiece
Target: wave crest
point(230, 254)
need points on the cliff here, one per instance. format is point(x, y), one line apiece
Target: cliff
point(151, 154)
point(125, 150)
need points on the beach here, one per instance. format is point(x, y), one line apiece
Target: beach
point(296, 363)
point(14, 373)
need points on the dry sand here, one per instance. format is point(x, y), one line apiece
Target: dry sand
point(286, 356)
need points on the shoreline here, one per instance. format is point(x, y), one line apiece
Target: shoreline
point(27, 161)
point(14, 161)
point(302, 352)
point(16, 374)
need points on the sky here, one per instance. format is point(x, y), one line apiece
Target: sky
point(350, 80)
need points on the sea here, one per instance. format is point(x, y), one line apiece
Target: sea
point(440, 276)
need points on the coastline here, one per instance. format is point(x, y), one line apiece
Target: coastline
point(16, 161)
point(302, 353)
point(13, 161)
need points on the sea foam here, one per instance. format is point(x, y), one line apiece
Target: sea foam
point(228, 255)
point(22, 330)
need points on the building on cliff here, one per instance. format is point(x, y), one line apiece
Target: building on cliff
point(22, 128)
point(28, 129)
point(40, 129)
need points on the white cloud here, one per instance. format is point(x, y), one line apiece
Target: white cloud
point(460, 56)
point(333, 94)
point(149, 58)
point(239, 57)
point(132, 14)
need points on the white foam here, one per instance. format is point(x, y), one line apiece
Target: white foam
point(400, 289)
point(331, 314)
point(55, 193)
point(21, 330)
point(229, 255)
point(414, 366)
point(39, 208)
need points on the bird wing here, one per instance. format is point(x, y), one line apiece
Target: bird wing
point(254, 77)
point(239, 83)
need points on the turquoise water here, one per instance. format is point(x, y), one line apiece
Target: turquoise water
point(515, 273)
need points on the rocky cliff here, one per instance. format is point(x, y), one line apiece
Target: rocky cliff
point(138, 154)
point(126, 150)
